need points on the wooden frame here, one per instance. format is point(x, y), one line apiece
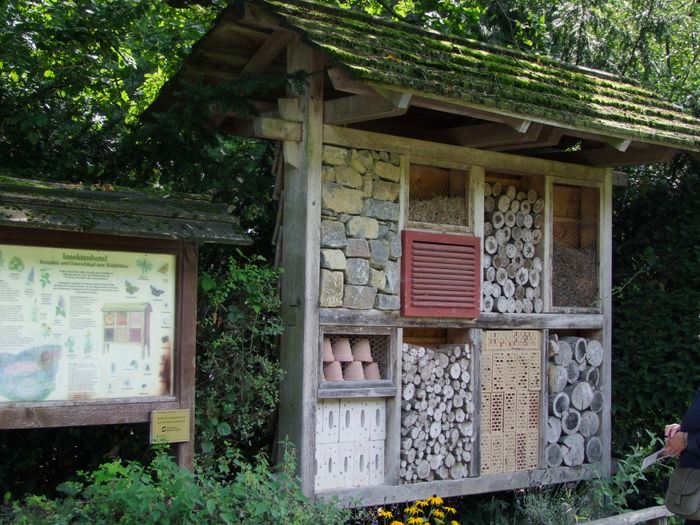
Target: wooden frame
point(124, 410)
point(601, 242)
point(383, 388)
point(453, 178)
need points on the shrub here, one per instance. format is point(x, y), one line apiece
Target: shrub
point(238, 372)
point(162, 493)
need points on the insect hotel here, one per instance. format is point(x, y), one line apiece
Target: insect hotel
point(445, 233)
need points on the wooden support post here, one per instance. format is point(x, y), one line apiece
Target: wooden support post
point(188, 331)
point(300, 259)
point(605, 279)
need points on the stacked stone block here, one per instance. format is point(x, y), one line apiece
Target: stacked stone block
point(360, 243)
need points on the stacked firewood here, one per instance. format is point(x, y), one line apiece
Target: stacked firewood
point(437, 428)
point(575, 401)
point(512, 230)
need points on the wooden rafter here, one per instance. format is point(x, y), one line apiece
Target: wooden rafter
point(267, 53)
point(361, 108)
point(548, 136)
point(489, 135)
point(609, 156)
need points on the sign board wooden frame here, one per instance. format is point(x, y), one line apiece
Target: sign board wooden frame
point(40, 414)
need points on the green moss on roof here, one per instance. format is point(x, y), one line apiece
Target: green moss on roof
point(462, 70)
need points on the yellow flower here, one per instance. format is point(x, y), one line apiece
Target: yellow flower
point(454, 522)
point(413, 510)
point(451, 510)
point(421, 503)
point(435, 500)
point(396, 523)
point(415, 520)
point(438, 513)
point(384, 513)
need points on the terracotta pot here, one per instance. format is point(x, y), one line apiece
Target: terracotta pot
point(354, 372)
point(342, 351)
point(361, 351)
point(327, 351)
point(332, 371)
point(372, 372)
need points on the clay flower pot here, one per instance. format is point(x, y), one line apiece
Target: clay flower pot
point(332, 371)
point(342, 351)
point(361, 351)
point(327, 351)
point(372, 372)
point(354, 372)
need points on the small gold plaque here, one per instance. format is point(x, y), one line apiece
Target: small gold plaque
point(170, 426)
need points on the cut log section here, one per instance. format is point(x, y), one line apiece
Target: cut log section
point(557, 379)
point(597, 401)
point(558, 404)
point(565, 354)
point(572, 372)
point(591, 375)
point(580, 394)
point(553, 429)
point(570, 421)
point(490, 245)
point(594, 353)
point(573, 450)
point(594, 449)
point(553, 454)
point(590, 424)
point(579, 346)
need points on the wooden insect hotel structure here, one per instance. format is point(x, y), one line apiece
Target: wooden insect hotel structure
point(445, 233)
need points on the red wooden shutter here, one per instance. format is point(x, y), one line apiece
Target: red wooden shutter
point(440, 275)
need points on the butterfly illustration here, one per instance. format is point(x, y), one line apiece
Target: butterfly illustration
point(156, 292)
point(130, 288)
point(163, 268)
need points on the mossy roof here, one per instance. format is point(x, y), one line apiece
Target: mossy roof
point(71, 207)
point(475, 74)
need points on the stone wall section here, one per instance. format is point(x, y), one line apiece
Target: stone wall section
point(360, 241)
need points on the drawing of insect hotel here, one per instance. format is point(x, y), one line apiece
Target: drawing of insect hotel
point(445, 231)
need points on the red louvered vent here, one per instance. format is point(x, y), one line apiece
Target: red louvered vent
point(440, 275)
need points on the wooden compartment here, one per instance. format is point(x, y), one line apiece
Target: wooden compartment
point(438, 405)
point(577, 399)
point(381, 342)
point(513, 244)
point(438, 196)
point(511, 387)
point(575, 257)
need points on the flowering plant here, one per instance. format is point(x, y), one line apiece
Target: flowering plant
point(430, 511)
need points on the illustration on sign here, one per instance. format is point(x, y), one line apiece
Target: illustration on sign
point(85, 324)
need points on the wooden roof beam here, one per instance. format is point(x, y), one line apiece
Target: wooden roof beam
point(489, 135)
point(617, 143)
point(344, 81)
point(361, 108)
point(548, 136)
point(227, 58)
point(609, 156)
point(518, 124)
point(255, 15)
point(264, 128)
point(267, 53)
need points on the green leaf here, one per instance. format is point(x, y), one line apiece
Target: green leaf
point(49, 74)
point(207, 282)
point(223, 428)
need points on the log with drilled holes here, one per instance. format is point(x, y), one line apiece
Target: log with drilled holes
point(512, 239)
